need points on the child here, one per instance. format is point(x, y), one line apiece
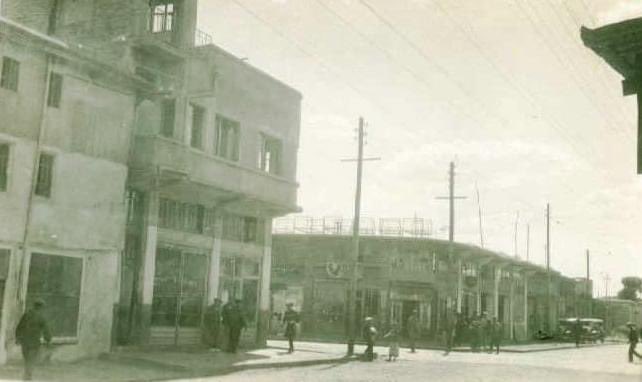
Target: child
point(393, 344)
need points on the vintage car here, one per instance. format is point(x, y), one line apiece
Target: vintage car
point(592, 329)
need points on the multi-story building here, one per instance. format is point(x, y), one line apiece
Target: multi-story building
point(397, 275)
point(161, 171)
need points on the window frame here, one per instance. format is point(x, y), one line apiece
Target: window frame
point(10, 74)
point(49, 190)
point(226, 145)
point(168, 118)
point(268, 162)
point(54, 93)
point(162, 18)
point(198, 115)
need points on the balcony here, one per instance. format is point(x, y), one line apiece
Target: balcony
point(203, 178)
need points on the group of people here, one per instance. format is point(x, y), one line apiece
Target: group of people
point(229, 317)
point(480, 332)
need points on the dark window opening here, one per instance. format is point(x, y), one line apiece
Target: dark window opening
point(163, 16)
point(45, 175)
point(270, 156)
point(4, 166)
point(56, 280)
point(10, 74)
point(55, 90)
point(198, 118)
point(226, 144)
point(168, 117)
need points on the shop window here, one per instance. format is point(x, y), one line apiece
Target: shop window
point(186, 217)
point(10, 74)
point(55, 90)
point(226, 144)
point(45, 175)
point(57, 281)
point(270, 155)
point(4, 166)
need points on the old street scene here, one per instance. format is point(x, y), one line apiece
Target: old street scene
point(331, 190)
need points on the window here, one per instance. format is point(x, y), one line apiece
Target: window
point(227, 138)
point(163, 16)
point(270, 156)
point(135, 206)
point(56, 280)
point(249, 229)
point(168, 116)
point(45, 175)
point(10, 74)
point(55, 90)
point(4, 166)
point(240, 228)
point(198, 117)
point(179, 216)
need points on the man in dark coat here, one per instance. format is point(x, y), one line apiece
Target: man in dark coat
point(496, 332)
point(412, 328)
point(234, 322)
point(213, 323)
point(577, 332)
point(633, 341)
point(370, 334)
point(29, 332)
point(290, 320)
point(449, 332)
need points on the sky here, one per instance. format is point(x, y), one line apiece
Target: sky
point(504, 88)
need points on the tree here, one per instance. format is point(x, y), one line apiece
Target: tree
point(632, 286)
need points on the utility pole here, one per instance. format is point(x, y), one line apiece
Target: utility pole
point(516, 225)
point(548, 265)
point(528, 240)
point(588, 284)
point(352, 299)
point(451, 229)
point(481, 231)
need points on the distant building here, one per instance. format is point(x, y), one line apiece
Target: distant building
point(157, 162)
point(400, 274)
point(616, 313)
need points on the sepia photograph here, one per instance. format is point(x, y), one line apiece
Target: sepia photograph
point(321, 190)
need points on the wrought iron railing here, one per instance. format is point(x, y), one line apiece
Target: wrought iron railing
point(394, 227)
point(201, 38)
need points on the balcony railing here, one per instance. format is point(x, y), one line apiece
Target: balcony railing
point(201, 38)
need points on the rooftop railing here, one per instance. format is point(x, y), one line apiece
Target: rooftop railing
point(201, 38)
point(393, 227)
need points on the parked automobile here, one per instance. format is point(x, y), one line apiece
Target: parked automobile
point(592, 329)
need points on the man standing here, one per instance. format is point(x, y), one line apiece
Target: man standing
point(412, 327)
point(633, 341)
point(449, 333)
point(290, 319)
point(577, 332)
point(30, 330)
point(370, 334)
point(213, 323)
point(495, 334)
point(486, 336)
point(234, 322)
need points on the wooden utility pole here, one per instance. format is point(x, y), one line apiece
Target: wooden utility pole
point(588, 284)
point(481, 231)
point(528, 240)
point(516, 225)
point(352, 296)
point(451, 229)
point(548, 265)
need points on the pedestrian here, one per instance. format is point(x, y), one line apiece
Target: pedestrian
point(234, 322)
point(577, 332)
point(475, 334)
point(31, 329)
point(393, 342)
point(369, 334)
point(213, 323)
point(290, 319)
point(633, 341)
point(449, 333)
point(412, 328)
point(485, 326)
point(496, 332)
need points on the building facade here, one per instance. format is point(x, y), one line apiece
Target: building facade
point(156, 171)
point(398, 275)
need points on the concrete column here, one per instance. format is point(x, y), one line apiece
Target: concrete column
point(150, 238)
point(265, 295)
point(214, 276)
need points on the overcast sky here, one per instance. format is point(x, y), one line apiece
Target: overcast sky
point(505, 88)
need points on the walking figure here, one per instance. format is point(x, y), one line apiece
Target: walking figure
point(290, 319)
point(449, 333)
point(234, 322)
point(577, 332)
point(213, 323)
point(633, 341)
point(29, 332)
point(370, 334)
point(496, 332)
point(393, 344)
point(412, 326)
